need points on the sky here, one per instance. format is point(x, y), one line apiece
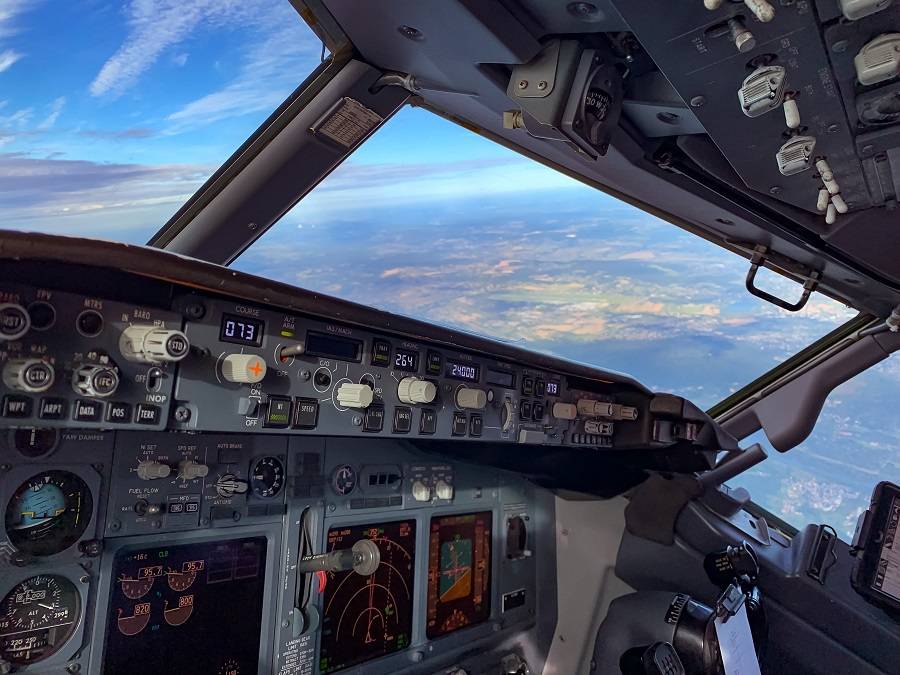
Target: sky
point(112, 114)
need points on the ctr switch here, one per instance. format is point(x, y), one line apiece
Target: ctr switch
point(412, 390)
point(31, 375)
point(351, 395)
point(243, 368)
point(151, 344)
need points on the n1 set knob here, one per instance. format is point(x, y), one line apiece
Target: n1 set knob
point(14, 321)
point(471, 399)
point(188, 469)
point(151, 470)
point(412, 390)
point(351, 395)
point(151, 344)
point(244, 368)
point(95, 380)
point(29, 375)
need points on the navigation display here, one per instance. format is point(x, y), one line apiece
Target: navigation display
point(193, 609)
point(459, 572)
point(887, 574)
point(368, 617)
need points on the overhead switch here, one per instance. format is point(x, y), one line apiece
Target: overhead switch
point(857, 9)
point(412, 390)
point(351, 395)
point(243, 368)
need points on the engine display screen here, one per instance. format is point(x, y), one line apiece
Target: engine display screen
point(197, 608)
point(460, 370)
point(241, 330)
point(887, 573)
point(459, 572)
point(367, 617)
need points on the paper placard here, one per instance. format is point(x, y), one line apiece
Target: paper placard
point(736, 644)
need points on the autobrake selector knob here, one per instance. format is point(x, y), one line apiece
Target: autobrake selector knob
point(151, 344)
point(351, 395)
point(151, 470)
point(14, 321)
point(188, 469)
point(229, 485)
point(471, 399)
point(30, 375)
point(244, 368)
point(420, 491)
point(95, 380)
point(412, 390)
point(565, 411)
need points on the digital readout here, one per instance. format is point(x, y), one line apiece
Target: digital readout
point(501, 378)
point(334, 347)
point(241, 330)
point(406, 360)
point(552, 388)
point(462, 371)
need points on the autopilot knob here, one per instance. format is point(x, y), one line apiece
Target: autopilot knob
point(229, 485)
point(470, 398)
point(95, 380)
point(244, 368)
point(151, 470)
point(188, 469)
point(152, 344)
point(29, 375)
point(412, 390)
point(350, 395)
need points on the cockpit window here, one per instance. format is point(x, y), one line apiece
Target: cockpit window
point(430, 220)
point(113, 114)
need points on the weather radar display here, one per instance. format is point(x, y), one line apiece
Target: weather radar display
point(459, 572)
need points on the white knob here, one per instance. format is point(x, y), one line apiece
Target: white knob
point(31, 375)
point(471, 399)
point(565, 411)
point(14, 321)
point(188, 469)
point(443, 490)
point(243, 368)
point(95, 380)
point(506, 415)
point(590, 408)
point(421, 492)
point(150, 344)
point(352, 395)
point(412, 390)
point(151, 470)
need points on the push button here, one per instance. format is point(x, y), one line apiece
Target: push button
point(176, 507)
point(402, 420)
point(87, 411)
point(381, 353)
point(428, 423)
point(525, 410)
point(119, 413)
point(460, 424)
point(278, 412)
point(147, 414)
point(306, 413)
point(16, 407)
point(374, 419)
point(528, 386)
point(52, 409)
point(537, 412)
point(434, 362)
point(476, 424)
point(539, 388)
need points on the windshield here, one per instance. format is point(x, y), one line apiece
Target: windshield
point(430, 220)
point(113, 114)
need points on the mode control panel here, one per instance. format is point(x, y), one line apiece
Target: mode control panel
point(69, 360)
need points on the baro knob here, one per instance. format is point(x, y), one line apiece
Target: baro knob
point(243, 368)
point(471, 399)
point(151, 470)
point(352, 395)
point(95, 380)
point(151, 344)
point(412, 390)
point(30, 375)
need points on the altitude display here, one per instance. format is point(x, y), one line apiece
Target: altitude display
point(368, 617)
point(459, 572)
point(37, 617)
point(48, 513)
point(193, 609)
point(458, 370)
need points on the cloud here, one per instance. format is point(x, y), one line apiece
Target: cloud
point(55, 111)
point(9, 13)
point(7, 58)
point(132, 132)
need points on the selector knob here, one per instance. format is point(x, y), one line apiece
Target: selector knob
point(151, 470)
point(244, 368)
point(412, 390)
point(151, 344)
point(590, 408)
point(471, 399)
point(31, 375)
point(506, 415)
point(95, 380)
point(420, 491)
point(229, 485)
point(352, 395)
point(14, 321)
point(188, 469)
point(443, 490)
point(565, 411)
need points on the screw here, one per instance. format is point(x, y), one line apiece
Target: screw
point(182, 414)
point(114, 525)
point(84, 578)
point(411, 33)
point(832, 128)
point(252, 226)
point(285, 624)
point(867, 149)
point(542, 85)
point(523, 84)
point(195, 310)
point(698, 101)
point(357, 420)
point(775, 190)
point(840, 46)
point(73, 668)
point(305, 375)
